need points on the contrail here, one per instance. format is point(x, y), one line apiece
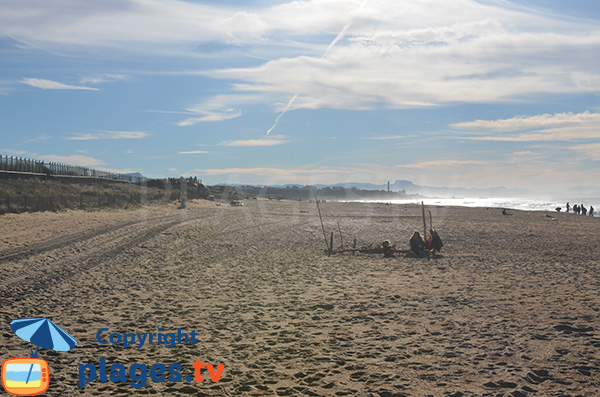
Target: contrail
point(331, 45)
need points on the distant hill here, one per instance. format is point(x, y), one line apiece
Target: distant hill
point(411, 188)
point(136, 174)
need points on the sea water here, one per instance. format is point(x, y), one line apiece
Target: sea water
point(515, 203)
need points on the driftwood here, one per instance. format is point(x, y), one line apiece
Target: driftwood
point(364, 250)
point(321, 218)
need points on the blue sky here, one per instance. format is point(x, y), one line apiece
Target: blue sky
point(461, 93)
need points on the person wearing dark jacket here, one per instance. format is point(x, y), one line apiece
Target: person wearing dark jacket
point(436, 241)
point(417, 245)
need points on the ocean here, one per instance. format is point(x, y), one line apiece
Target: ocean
point(526, 204)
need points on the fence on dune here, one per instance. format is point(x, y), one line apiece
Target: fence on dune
point(24, 165)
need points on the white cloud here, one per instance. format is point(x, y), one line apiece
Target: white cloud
point(39, 138)
point(195, 152)
point(211, 116)
point(545, 127)
point(76, 159)
point(103, 78)
point(441, 163)
point(112, 23)
point(273, 140)
point(109, 135)
point(410, 54)
point(12, 152)
point(53, 85)
point(215, 109)
point(590, 151)
point(521, 123)
point(414, 53)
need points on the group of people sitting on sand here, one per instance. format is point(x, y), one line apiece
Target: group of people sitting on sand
point(580, 209)
point(418, 247)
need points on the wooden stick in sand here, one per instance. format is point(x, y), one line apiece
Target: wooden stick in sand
point(331, 244)
point(341, 237)
point(321, 218)
point(424, 222)
point(424, 228)
point(430, 221)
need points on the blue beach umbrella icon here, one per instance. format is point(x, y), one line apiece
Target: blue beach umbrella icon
point(43, 333)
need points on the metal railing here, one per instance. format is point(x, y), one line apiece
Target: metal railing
point(19, 164)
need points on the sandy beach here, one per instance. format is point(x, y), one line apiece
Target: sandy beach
point(511, 309)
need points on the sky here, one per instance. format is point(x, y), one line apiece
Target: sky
point(442, 93)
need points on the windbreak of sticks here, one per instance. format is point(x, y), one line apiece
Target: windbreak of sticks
point(369, 249)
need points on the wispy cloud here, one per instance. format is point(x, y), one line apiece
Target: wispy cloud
point(545, 127)
point(65, 24)
point(532, 122)
point(103, 78)
point(109, 135)
point(12, 152)
point(75, 159)
point(590, 151)
point(441, 163)
point(211, 116)
point(215, 109)
point(195, 152)
point(39, 138)
point(53, 85)
point(387, 138)
point(390, 56)
point(273, 140)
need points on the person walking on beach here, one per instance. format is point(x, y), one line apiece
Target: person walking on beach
point(417, 245)
point(591, 211)
point(583, 210)
point(568, 207)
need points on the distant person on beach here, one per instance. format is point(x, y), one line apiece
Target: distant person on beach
point(388, 250)
point(576, 209)
point(568, 206)
point(504, 212)
point(583, 210)
point(417, 245)
point(591, 211)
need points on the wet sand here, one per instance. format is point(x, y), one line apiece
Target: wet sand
point(511, 309)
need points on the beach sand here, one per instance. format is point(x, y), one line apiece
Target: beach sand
point(511, 309)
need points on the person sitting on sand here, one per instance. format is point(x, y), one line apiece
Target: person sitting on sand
point(388, 250)
point(504, 212)
point(417, 245)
